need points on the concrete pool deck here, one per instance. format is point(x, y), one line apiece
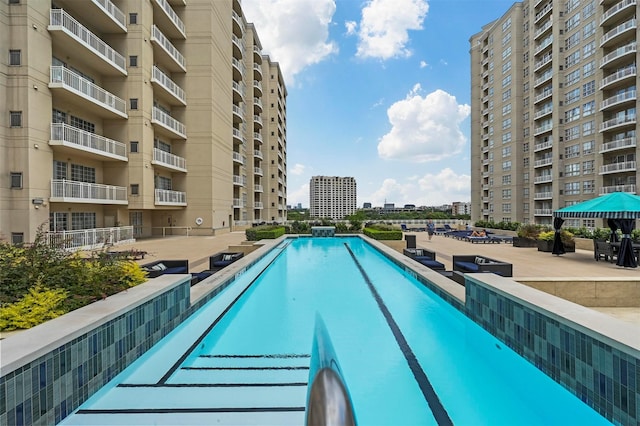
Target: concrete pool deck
point(528, 263)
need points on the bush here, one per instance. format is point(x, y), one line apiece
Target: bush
point(300, 227)
point(40, 304)
point(509, 226)
point(268, 232)
point(565, 236)
point(383, 234)
point(529, 230)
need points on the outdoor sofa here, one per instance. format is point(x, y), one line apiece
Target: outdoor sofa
point(162, 267)
point(474, 263)
point(425, 257)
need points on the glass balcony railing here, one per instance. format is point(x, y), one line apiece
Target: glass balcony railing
point(86, 141)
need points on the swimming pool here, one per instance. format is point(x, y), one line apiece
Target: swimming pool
point(406, 355)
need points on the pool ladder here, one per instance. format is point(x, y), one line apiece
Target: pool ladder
point(328, 399)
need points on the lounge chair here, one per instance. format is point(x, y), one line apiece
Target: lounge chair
point(603, 250)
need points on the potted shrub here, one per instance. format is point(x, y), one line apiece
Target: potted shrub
point(545, 241)
point(527, 235)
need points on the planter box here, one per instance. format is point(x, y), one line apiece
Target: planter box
point(547, 246)
point(524, 242)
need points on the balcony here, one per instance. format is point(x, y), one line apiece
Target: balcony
point(610, 13)
point(167, 124)
point(257, 105)
point(257, 88)
point(91, 239)
point(168, 160)
point(166, 53)
point(85, 94)
point(543, 145)
point(624, 166)
point(619, 75)
point(165, 197)
point(257, 136)
point(543, 29)
point(629, 95)
point(543, 129)
point(257, 171)
point(621, 52)
point(257, 54)
point(238, 69)
point(632, 189)
point(543, 212)
point(238, 47)
point(237, 158)
point(238, 24)
point(545, 178)
point(173, 93)
point(238, 114)
point(257, 120)
point(542, 46)
point(237, 203)
point(542, 195)
point(615, 32)
point(542, 96)
point(543, 12)
point(101, 15)
point(258, 205)
point(617, 122)
point(238, 92)
point(237, 136)
point(81, 142)
point(625, 143)
point(69, 191)
point(257, 154)
point(239, 180)
point(543, 112)
point(546, 59)
point(544, 162)
point(168, 20)
point(257, 72)
point(73, 39)
point(258, 188)
point(542, 79)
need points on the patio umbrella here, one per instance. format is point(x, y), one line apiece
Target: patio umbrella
point(558, 246)
point(613, 225)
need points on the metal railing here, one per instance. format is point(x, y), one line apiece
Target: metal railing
point(91, 239)
point(632, 23)
point(166, 197)
point(71, 80)
point(168, 46)
point(620, 97)
point(94, 192)
point(618, 121)
point(169, 159)
point(62, 19)
point(624, 166)
point(113, 11)
point(173, 16)
point(619, 52)
point(629, 142)
point(169, 85)
point(89, 141)
point(169, 122)
point(618, 75)
point(615, 9)
point(618, 188)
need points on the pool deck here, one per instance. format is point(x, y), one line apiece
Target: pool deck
point(527, 262)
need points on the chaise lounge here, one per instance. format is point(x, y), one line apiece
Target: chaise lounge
point(473, 263)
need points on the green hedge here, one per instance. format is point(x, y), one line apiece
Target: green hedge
point(380, 234)
point(264, 233)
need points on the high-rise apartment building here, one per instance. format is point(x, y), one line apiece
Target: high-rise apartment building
point(554, 108)
point(137, 116)
point(332, 197)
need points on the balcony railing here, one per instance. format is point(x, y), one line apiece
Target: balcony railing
point(618, 188)
point(543, 212)
point(258, 205)
point(543, 178)
point(542, 62)
point(258, 102)
point(169, 48)
point(239, 180)
point(238, 65)
point(238, 135)
point(545, 111)
point(86, 141)
point(169, 85)
point(542, 29)
point(624, 166)
point(615, 9)
point(621, 97)
point(238, 111)
point(72, 81)
point(543, 12)
point(257, 171)
point(258, 188)
point(542, 195)
point(238, 20)
point(168, 122)
point(619, 52)
point(545, 77)
point(618, 121)
point(618, 144)
point(257, 68)
point(239, 88)
point(170, 160)
point(618, 75)
point(546, 43)
point(91, 239)
point(84, 192)
point(237, 203)
point(173, 17)
point(257, 119)
point(257, 85)
point(542, 96)
point(543, 162)
point(542, 129)
point(237, 157)
point(60, 18)
point(258, 154)
point(167, 197)
point(632, 23)
point(113, 11)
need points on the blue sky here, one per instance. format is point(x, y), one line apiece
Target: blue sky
point(378, 90)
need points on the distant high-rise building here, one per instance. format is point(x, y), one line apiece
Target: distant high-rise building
point(332, 197)
point(137, 116)
point(553, 108)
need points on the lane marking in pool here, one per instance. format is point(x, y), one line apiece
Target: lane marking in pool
point(438, 410)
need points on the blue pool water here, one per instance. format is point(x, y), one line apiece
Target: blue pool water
point(406, 355)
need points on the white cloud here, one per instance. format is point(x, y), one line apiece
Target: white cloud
point(300, 195)
point(293, 32)
point(384, 27)
point(424, 129)
point(297, 169)
point(351, 27)
point(423, 64)
point(445, 187)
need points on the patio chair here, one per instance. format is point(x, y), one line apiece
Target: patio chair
point(603, 250)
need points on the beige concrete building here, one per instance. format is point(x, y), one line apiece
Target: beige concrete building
point(554, 108)
point(332, 197)
point(125, 119)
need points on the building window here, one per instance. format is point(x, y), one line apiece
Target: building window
point(15, 118)
point(81, 124)
point(82, 173)
point(588, 147)
point(133, 146)
point(133, 18)
point(15, 57)
point(135, 189)
point(133, 61)
point(14, 1)
point(83, 220)
point(133, 103)
point(17, 238)
point(589, 88)
point(16, 180)
point(572, 188)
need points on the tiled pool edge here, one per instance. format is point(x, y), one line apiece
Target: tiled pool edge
point(44, 386)
point(598, 366)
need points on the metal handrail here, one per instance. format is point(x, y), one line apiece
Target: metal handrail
point(328, 399)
